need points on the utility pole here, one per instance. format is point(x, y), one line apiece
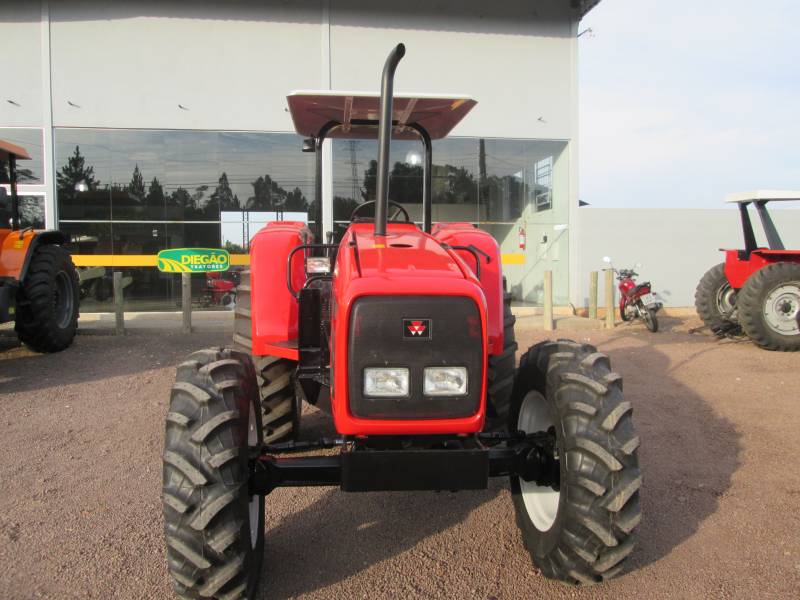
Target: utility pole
point(356, 190)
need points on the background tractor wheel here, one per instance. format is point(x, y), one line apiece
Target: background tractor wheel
point(214, 529)
point(280, 404)
point(583, 531)
point(769, 307)
point(47, 301)
point(501, 371)
point(715, 301)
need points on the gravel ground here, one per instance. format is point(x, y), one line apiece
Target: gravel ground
point(80, 514)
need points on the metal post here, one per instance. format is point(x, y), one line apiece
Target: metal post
point(119, 314)
point(593, 295)
point(186, 301)
point(548, 301)
point(610, 310)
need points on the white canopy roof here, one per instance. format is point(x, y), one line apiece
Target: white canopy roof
point(438, 114)
point(760, 195)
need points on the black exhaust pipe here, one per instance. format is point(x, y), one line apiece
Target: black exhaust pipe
point(385, 138)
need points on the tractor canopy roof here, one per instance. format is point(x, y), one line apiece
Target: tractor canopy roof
point(764, 196)
point(358, 112)
point(8, 149)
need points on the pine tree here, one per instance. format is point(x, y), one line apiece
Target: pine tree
point(74, 172)
point(223, 197)
point(155, 199)
point(136, 186)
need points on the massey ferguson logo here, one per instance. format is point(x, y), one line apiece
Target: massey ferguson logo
point(417, 329)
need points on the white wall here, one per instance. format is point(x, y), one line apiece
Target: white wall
point(232, 63)
point(675, 246)
point(21, 64)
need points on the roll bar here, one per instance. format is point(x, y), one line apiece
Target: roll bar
point(385, 137)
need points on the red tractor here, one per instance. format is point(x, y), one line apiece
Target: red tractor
point(407, 333)
point(756, 289)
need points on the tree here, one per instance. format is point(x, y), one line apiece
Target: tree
point(405, 183)
point(155, 199)
point(136, 186)
point(295, 201)
point(222, 198)
point(74, 172)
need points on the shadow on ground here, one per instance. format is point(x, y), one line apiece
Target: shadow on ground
point(96, 357)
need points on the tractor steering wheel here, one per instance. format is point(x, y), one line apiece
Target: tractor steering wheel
point(398, 211)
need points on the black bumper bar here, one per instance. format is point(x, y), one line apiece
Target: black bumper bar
point(399, 470)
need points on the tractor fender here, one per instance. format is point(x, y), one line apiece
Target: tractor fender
point(274, 310)
point(47, 237)
point(491, 272)
point(18, 246)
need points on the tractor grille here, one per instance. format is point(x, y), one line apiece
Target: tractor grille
point(380, 337)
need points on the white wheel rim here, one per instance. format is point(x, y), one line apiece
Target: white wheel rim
point(541, 502)
point(781, 309)
point(254, 506)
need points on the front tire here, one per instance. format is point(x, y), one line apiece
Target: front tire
point(715, 302)
point(47, 301)
point(769, 307)
point(214, 530)
point(583, 532)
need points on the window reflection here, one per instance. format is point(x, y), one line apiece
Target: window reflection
point(28, 171)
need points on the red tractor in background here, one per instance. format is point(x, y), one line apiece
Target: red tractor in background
point(757, 289)
point(406, 333)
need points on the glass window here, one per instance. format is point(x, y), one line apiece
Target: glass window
point(32, 140)
point(147, 175)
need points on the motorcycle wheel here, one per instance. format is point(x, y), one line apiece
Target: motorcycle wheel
point(623, 313)
point(649, 318)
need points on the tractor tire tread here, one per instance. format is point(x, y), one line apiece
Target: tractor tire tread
point(750, 302)
point(36, 324)
point(205, 470)
point(600, 512)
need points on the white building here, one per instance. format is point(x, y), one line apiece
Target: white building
point(148, 120)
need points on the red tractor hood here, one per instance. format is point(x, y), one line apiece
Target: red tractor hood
point(404, 252)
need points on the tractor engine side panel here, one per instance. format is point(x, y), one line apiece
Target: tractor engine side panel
point(274, 310)
point(491, 280)
point(738, 271)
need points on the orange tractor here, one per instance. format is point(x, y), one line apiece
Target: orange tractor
point(38, 282)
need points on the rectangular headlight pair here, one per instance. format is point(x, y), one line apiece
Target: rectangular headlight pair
point(394, 382)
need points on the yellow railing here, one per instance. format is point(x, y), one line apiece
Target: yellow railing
point(149, 260)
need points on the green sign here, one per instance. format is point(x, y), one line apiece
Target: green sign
point(193, 260)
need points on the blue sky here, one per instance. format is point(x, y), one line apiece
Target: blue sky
point(685, 101)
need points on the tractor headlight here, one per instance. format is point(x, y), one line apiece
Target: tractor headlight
point(383, 382)
point(445, 381)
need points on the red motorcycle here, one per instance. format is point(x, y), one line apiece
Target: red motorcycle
point(220, 289)
point(636, 300)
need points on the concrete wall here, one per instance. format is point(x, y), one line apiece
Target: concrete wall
point(231, 64)
point(675, 246)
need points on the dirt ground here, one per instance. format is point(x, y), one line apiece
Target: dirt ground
point(80, 466)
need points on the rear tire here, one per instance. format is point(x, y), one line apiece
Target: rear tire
point(649, 318)
point(280, 404)
point(583, 532)
point(501, 370)
point(214, 530)
point(769, 307)
point(715, 301)
point(47, 301)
